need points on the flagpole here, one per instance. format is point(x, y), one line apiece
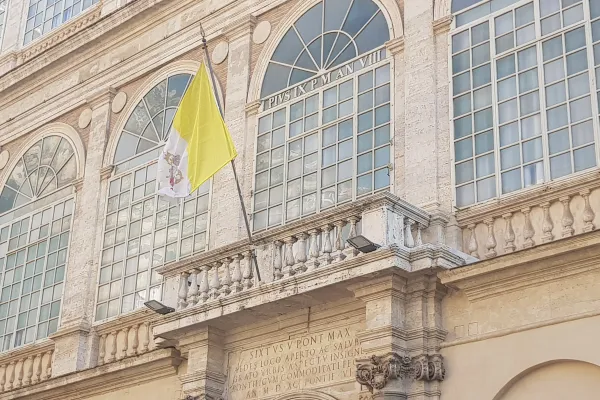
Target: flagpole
point(237, 182)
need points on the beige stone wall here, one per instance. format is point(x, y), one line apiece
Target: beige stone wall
point(160, 389)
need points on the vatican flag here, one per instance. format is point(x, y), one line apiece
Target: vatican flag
point(199, 143)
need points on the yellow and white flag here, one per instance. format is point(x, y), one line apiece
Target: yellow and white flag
point(199, 143)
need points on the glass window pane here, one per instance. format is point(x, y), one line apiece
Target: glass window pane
point(509, 134)
point(461, 62)
point(579, 85)
point(482, 75)
point(463, 149)
point(505, 43)
point(583, 133)
point(555, 94)
point(480, 33)
point(486, 189)
point(531, 126)
point(575, 39)
point(510, 157)
point(461, 83)
point(576, 62)
point(505, 66)
point(465, 195)
point(511, 181)
point(550, 24)
point(507, 88)
point(585, 158)
point(533, 174)
point(484, 142)
point(560, 165)
point(559, 141)
point(507, 111)
point(504, 23)
point(527, 58)
point(580, 109)
point(557, 117)
point(464, 172)
point(525, 34)
point(552, 48)
point(481, 54)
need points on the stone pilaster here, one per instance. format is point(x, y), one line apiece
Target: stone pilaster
point(73, 345)
point(421, 167)
point(205, 378)
point(402, 336)
point(14, 25)
point(226, 204)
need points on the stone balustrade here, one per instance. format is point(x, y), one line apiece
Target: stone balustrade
point(541, 216)
point(297, 248)
point(26, 366)
point(126, 336)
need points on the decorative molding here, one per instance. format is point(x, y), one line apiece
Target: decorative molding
point(261, 33)
point(42, 346)
point(377, 371)
point(442, 25)
point(85, 118)
point(220, 52)
point(138, 316)
point(118, 102)
point(240, 28)
point(395, 46)
point(4, 157)
point(106, 172)
point(69, 29)
point(253, 107)
point(525, 268)
point(81, 327)
point(101, 97)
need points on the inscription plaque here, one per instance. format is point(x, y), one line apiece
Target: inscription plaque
point(310, 361)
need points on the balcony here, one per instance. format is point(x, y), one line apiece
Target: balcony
point(304, 263)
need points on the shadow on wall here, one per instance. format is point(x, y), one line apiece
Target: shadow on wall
point(554, 380)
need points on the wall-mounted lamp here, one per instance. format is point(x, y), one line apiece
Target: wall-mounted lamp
point(158, 307)
point(362, 244)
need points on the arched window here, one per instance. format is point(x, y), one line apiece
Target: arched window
point(524, 104)
point(42, 16)
point(142, 230)
point(324, 129)
point(37, 207)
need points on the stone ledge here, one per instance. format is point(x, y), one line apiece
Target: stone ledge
point(531, 197)
point(26, 351)
point(108, 378)
point(282, 296)
point(527, 268)
point(134, 317)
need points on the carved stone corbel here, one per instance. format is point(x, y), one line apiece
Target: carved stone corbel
point(379, 370)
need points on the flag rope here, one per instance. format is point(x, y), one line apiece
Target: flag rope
point(235, 175)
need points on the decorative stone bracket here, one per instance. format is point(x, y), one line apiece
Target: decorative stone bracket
point(379, 370)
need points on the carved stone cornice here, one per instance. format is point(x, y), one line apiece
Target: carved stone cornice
point(442, 25)
point(395, 46)
point(377, 371)
point(78, 184)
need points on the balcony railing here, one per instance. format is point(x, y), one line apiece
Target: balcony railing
point(129, 335)
point(26, 366)
point(543, 215)
point(298, 248)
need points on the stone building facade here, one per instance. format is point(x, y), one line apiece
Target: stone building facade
point(459, 136)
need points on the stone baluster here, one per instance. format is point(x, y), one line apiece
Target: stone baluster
point(101, 349)
point(338, 253)
point(3, 371)
point(408, 236)
point(588, 213)
point(567, 217)
point(236, 285)
point(289, 258)
point(37, 368)
point(145, 330)
point(28, 367)
point(313, 250)
point(509, 234)
point(472, 247)
point(43, 361)
point(325, 258)
point(19, 368)
point(125, 343)
point(300, 258)
point(547, 225)
point(215, 284)
point(226, 281)
point(113, 347)
point(491, 243)
point(204, 287)
point(183, 290)
point(419, 239)
point(10, 376)
point(277, 264)
point(248, 269)
point(528, 231)
point(134, 340)
point(350, 251)
point(192, 298)
point(48, 365)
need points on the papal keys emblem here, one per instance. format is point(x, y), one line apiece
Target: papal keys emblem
point(175, 175)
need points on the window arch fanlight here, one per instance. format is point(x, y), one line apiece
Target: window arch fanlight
point(143, 231)
point(324, 130)
point(329, 34)
point(37, 204)
point(524, 103)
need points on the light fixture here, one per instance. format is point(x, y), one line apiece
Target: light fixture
point(158, 307)
point(362, 244)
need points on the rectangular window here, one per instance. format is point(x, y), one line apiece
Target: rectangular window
point(522, 102)
point(33, 258)
point(46, 15)
point(325, 149)
point(144, 231)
